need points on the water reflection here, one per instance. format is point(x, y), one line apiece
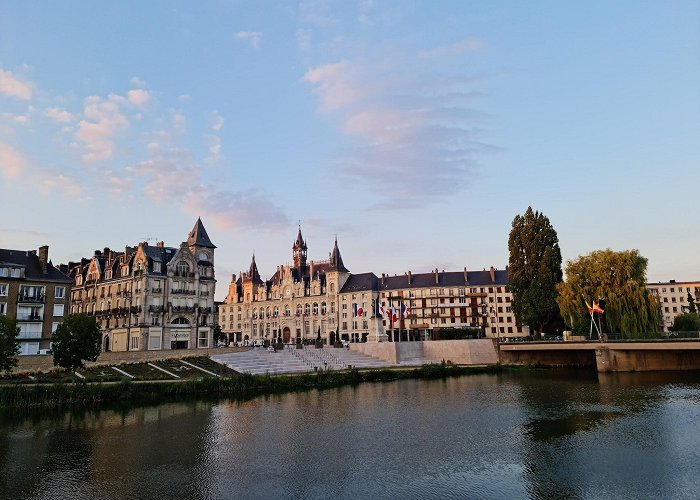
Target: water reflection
point(527, 434)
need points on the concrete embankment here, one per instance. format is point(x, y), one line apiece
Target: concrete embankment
point(458, 352)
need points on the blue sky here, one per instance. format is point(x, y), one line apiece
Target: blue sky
point(415, 131)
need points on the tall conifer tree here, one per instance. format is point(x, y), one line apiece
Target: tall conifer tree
point(534, 269)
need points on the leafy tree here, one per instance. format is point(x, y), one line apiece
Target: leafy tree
point(218, 334)
point(688, 322)
point(9, 347)
point(534, 269)
point(619, 278)
point(692, 308)
point(78, 338)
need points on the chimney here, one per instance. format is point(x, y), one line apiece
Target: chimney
point(437, 276)
point(160, 244)
point(43, 257)
point(492, 271)
point(409, 277)
point(383, 277)
point(466, 279)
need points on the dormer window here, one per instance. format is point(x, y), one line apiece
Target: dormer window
point(108, 275)
point(156, 267)
point(183, 269)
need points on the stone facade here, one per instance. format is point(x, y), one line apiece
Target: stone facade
point(150, 297)
point(34, 292)
point(298, 304)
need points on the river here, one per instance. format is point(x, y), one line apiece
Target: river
point(540, 434)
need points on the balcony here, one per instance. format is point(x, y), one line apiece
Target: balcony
point(155, 309)
point(34, 298)
point(182, 291)
point(181, 274)
point(156, 290)
point(182, 309)
point(30, 317)
point(204, 294)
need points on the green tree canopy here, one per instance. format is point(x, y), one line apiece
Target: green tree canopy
point(688, 322)
point(9, 347)
point(534, 269)
point(77, 339)
point(620, 279)
point(692, 308)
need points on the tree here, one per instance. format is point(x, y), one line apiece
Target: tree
point(9, 347)
point(687, 322)
point(78, 338)
point(534, 269)
point(218, 334)
point(692, 308)
point(618, 278)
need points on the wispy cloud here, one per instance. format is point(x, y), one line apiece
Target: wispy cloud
point(50, 181)
point(251, 208)
point(14, 86)
point(12, 163)
point(252, 37)
point(137, 82)
point(60, 115)
point(418, 136)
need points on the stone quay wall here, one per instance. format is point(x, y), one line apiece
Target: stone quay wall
point(459, 352)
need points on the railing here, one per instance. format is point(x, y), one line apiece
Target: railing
point(183, 291)
point(155, 309)
point(182, 274)
point(182, 309)
point(30, 317)
point(156, 290)
point(23, 297)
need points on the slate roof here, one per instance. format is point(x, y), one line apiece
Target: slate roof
point(360, 283)
point(427, 280)
point(336, 261)
point(198, 236)
point(32, 267)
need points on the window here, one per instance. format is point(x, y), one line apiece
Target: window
point(154, 341)
point(183, 269)
point(59, 292)
point(203, 338)
point(15, 272)
point(3, 289)
point(4, 272)
point(156, 269)
point(3, 308)
point(134, 342)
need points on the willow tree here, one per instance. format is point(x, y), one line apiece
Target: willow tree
point(534, 269)
point(619, 278)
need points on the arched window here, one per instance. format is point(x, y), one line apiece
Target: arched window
point(307, 309)
point(323, 308)
point(286, 311)
point(315, 309)
point(332, 287)
point(180, 321)
point(276, 312)
point(298, 309)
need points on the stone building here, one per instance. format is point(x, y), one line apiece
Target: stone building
point(415, 305)
point(321, 298)
point(673, 299)
point(298, 303)
point(150, 297)
point(34, 292)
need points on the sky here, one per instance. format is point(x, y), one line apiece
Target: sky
point(412, 131)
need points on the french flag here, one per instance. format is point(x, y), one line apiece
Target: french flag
point(380, 310)
point(405, 310)
point(357, 310)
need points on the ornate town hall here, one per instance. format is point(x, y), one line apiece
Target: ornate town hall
point(150, 297)
point(298, 303)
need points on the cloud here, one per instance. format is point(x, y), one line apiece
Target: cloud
point(139, 97)
point(12, 163)
point(251, 208)
point(417, 135)
point(470, 44)
point(214, 150)
point(105, 121)
point(49, 181)
point(184, 98)
point(137, 82)
point(218, 122)
point(118, 183)
point(59, 115)
point(252, 37)
point(20, 119)
point(14, 86)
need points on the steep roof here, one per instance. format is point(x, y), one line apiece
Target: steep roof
point(336, 261)
point(32, 266)
point(198, 236)
point(299, 242)
point(253, 273)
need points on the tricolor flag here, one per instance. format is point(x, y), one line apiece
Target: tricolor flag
point(357, 310)
point(380, 309)
point(394, 314)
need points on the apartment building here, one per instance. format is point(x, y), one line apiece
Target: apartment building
point(673, 299)
point(34, 292)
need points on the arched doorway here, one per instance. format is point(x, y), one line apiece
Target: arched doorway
point(331, 338)
point(286, 335)
point(106, 343)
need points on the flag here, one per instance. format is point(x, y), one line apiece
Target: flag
point(357, 310)
point(403, 309)
point(380, 309)
point(394, 314)
point(595, 308)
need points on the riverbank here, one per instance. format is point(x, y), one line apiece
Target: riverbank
point(53, 396)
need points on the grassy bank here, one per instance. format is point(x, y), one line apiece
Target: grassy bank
point(26, 396)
